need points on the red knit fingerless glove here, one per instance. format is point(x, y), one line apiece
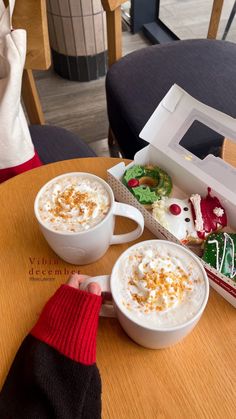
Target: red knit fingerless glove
point(69, 324)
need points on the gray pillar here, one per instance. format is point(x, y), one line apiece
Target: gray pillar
point(77, 32)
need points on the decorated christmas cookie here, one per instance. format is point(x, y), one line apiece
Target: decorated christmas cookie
point(190, 220)
point(147, 183)
point(176, 216)
point(219, 252)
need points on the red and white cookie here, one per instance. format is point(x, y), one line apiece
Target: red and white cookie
point(190, 220)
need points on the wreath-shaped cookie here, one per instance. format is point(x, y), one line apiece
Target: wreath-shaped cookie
point(147, 183)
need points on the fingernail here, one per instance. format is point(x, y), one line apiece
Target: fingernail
point(94, 288)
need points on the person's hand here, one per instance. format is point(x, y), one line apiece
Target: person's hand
point(75, 280)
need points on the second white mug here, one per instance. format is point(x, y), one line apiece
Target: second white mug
point(150, 335)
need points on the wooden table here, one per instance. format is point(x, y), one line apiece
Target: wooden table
point(193, 379)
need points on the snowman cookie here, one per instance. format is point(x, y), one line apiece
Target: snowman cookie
point(190, 220)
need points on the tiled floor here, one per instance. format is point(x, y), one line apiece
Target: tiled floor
point(81, 107)
point(190, 19)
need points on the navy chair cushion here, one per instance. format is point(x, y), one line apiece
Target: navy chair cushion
point(138, 82)
point(54, 144)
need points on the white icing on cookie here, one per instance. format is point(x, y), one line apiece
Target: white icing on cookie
point(196, 202)
point(219, 265)
point(175, 224)
point(218, 211)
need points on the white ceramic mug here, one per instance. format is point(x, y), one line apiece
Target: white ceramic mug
point(149, 337)
point(84, 247)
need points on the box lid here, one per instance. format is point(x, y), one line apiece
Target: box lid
point(171, 120)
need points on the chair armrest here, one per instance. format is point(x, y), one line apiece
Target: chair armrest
point(114, 29)
point(31, 15)
point(110, 5)
point(215, 18)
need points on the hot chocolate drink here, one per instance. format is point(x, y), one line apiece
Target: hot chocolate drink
point(73, 204)
point(160, 286)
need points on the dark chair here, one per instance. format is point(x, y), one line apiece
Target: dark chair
point(54, 144)
point(137, 83)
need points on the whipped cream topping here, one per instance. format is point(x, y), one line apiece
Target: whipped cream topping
point(73, 203)
point(160, 286)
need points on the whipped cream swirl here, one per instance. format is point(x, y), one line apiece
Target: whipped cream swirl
point(161, 285)
point(74, 203)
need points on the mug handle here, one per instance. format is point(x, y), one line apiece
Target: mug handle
point(107, 310)
point(134, 214)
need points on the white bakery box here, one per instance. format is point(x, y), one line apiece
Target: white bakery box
point(164, 130)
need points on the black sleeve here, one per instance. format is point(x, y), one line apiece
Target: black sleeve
point(43, 382)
